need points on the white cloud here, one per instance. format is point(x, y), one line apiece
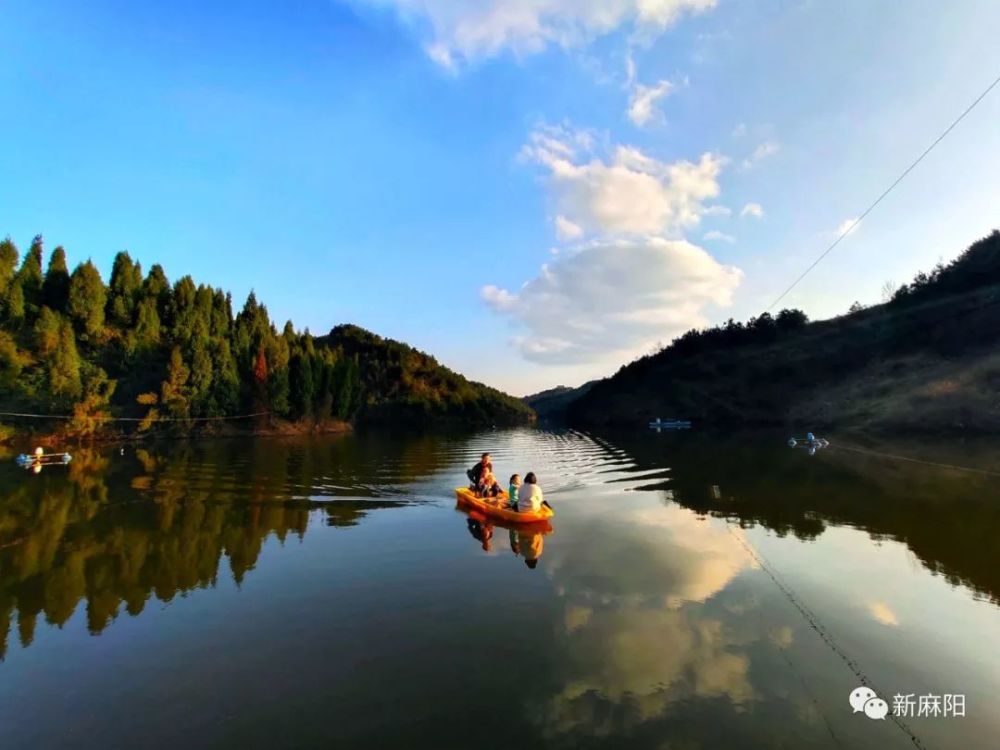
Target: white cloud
point(642, 108)
point(847, 225)
point(752, 209)
point(642, 103)
point(609, 299)
point(458, 31)
point(628, 280)
point(764, 150)
point(718, 211)
point(566, 229)
point(717, 235)
point(627, 192)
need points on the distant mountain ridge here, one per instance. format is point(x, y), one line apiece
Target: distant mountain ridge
point(926, 360)
point(552, 403)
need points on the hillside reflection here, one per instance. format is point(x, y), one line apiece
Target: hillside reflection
point(118, 530)
point(947, 517)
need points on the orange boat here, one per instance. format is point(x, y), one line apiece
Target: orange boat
point(496, 507)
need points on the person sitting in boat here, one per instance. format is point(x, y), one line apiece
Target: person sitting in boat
point(513, 489)
point(475, 474)
point(488, 484)
point(529, 497)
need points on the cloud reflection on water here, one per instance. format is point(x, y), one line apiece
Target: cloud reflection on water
point(636, 632)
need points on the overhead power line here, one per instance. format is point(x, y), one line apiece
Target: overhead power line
point(886, 192)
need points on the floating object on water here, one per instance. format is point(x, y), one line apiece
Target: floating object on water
point(670, 424)
point(498, 507)
point(809, 441)
point(40, 458)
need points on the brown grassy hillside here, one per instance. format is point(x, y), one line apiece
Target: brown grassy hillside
point(926, 360)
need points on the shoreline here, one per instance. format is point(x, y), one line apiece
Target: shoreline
point(274, 428)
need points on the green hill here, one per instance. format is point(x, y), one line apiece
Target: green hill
point(400, 383)
point(927, 360)
point(86, 356)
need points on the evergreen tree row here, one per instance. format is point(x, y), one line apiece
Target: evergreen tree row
point(143, 348)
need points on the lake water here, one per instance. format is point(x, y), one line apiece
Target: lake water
point(325, 592)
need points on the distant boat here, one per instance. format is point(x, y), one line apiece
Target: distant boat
point(809, 441)
point(670, 424)
point(30, 459)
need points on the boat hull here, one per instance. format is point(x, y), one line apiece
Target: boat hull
point(497, 507)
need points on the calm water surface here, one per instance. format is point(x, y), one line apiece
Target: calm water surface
point(326, 592)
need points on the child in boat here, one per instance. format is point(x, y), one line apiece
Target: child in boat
point(488, 484)
point(475, 474)
point(529, 497)
point(512, 490)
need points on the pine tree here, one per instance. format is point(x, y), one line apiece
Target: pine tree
point(123, 290)
point(87, 298)
point(157, 287)
point(8, 266)
point(147, 324)
point(174, 391)
point(47, 331)
point(183, 310)
point(30, 275)
point(203, 302)
point(64, 365)
point(12, 361)
point(222, 315)
point(323, 375)
point(200, 378)
point(225, 379)
point(55, 287)
point(14, 308)
point(277, 380)
point(302, 387)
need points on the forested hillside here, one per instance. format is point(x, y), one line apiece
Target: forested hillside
point(927, 359)
point(551, 404)
point(401, 383)
point(175, 356)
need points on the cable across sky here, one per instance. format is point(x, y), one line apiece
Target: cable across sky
point(886, 192)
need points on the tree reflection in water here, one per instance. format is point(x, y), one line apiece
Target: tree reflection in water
point(115, 531)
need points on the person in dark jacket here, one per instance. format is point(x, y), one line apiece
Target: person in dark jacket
point(476, 472)
point(482, 480)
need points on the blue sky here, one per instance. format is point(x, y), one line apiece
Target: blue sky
point(532, 190)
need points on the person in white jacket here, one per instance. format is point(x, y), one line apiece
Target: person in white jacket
point(529, 497)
